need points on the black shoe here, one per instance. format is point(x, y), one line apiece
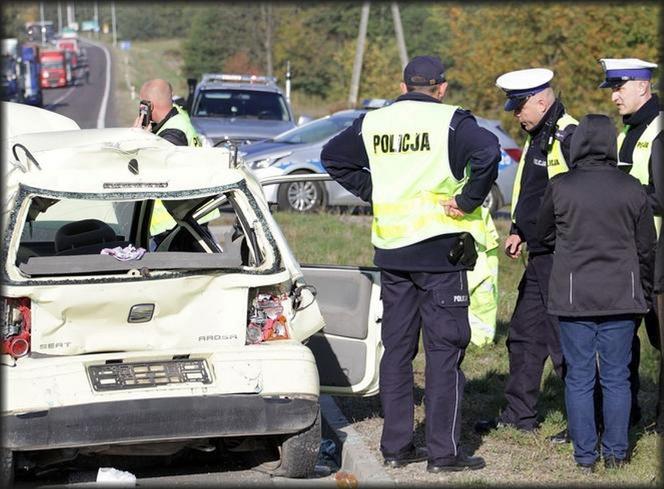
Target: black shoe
point(560, 438)
point(612, 462)
point(484, 426)
point(413, 456)
point(587, 468)
point(462, 462)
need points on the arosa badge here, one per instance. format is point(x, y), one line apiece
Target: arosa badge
point(140, 313)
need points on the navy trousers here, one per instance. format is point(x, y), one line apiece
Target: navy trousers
point(533, 336)
point(438, 304)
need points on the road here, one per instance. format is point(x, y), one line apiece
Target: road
point(90, 104)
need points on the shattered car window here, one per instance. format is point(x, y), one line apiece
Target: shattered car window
point(79, 235)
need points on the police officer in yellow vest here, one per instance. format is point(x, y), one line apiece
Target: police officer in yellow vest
point(640, 154)
point(426, 167)
point(167, 120)
point(533, 334)
point(170, 122)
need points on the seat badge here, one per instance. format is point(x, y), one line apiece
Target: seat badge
point(140, 313)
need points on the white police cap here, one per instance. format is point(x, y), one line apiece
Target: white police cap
point(521, 84)
point(619, 70)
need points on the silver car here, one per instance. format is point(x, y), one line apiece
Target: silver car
point(297, 151)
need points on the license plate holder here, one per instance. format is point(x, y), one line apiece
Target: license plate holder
point(140, 375)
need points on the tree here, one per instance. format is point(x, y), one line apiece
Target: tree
point(487, 41)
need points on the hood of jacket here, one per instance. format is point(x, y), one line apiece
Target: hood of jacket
point(594, 142)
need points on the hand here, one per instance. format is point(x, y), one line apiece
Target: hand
point(451, 208)
point(513, 245)
point(138, 123)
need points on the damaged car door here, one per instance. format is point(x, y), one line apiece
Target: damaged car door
point(349, 348)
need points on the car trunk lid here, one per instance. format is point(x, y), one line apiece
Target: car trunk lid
point(188, 312)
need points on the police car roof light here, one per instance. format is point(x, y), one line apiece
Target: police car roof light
point(375, 103)
point(225, 77)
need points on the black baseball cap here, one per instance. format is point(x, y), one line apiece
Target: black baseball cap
point(424, 71)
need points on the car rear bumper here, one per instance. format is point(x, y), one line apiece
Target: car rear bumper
point(149, 420)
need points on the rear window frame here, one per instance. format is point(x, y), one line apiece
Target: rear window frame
point(26, 192)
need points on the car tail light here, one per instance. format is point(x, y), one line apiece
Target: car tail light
point(515, 153)
point(266, 321)
point(16, 326)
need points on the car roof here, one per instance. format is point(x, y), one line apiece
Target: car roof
point(98, 161)
point(22, 119)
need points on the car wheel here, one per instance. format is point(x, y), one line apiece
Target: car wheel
point(7, 476)
point(301, 196)
point(494, 200)
point(299, 452)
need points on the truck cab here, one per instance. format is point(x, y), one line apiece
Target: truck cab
point(71, 45)
point(53, 68)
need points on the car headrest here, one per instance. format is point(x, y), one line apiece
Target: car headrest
point(83, 233)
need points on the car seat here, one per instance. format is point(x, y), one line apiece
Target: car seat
point(85, 237)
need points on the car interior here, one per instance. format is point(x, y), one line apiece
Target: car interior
point(210, 227)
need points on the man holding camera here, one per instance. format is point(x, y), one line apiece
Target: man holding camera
point(159, 115)
point(426, 167)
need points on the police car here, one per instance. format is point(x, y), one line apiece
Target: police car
point(113, 345)
point(237, 109)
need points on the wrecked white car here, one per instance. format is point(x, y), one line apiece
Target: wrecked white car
point(149, 296)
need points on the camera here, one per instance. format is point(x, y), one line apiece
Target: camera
point(145, 110)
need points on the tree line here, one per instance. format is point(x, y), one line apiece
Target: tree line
point(477, 42)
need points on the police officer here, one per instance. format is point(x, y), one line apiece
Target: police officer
point(629, 81)
point(533, 334)
point(167, 119)
point(426, 167)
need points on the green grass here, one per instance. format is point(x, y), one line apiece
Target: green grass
point(328, 238)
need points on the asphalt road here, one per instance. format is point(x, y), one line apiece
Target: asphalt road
point(89, 103)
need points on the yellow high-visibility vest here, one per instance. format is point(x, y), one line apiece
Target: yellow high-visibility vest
point(555, 160)
point(407, 146)
point(641, 155)
point(182, 122)
point(161, 219)
point(407, 143)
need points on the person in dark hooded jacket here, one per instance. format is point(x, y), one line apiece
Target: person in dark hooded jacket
point(600, 222)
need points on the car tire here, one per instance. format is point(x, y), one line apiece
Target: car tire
point(301, 196)
point(299, 452)
point(494, 200)
point(7, 476)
